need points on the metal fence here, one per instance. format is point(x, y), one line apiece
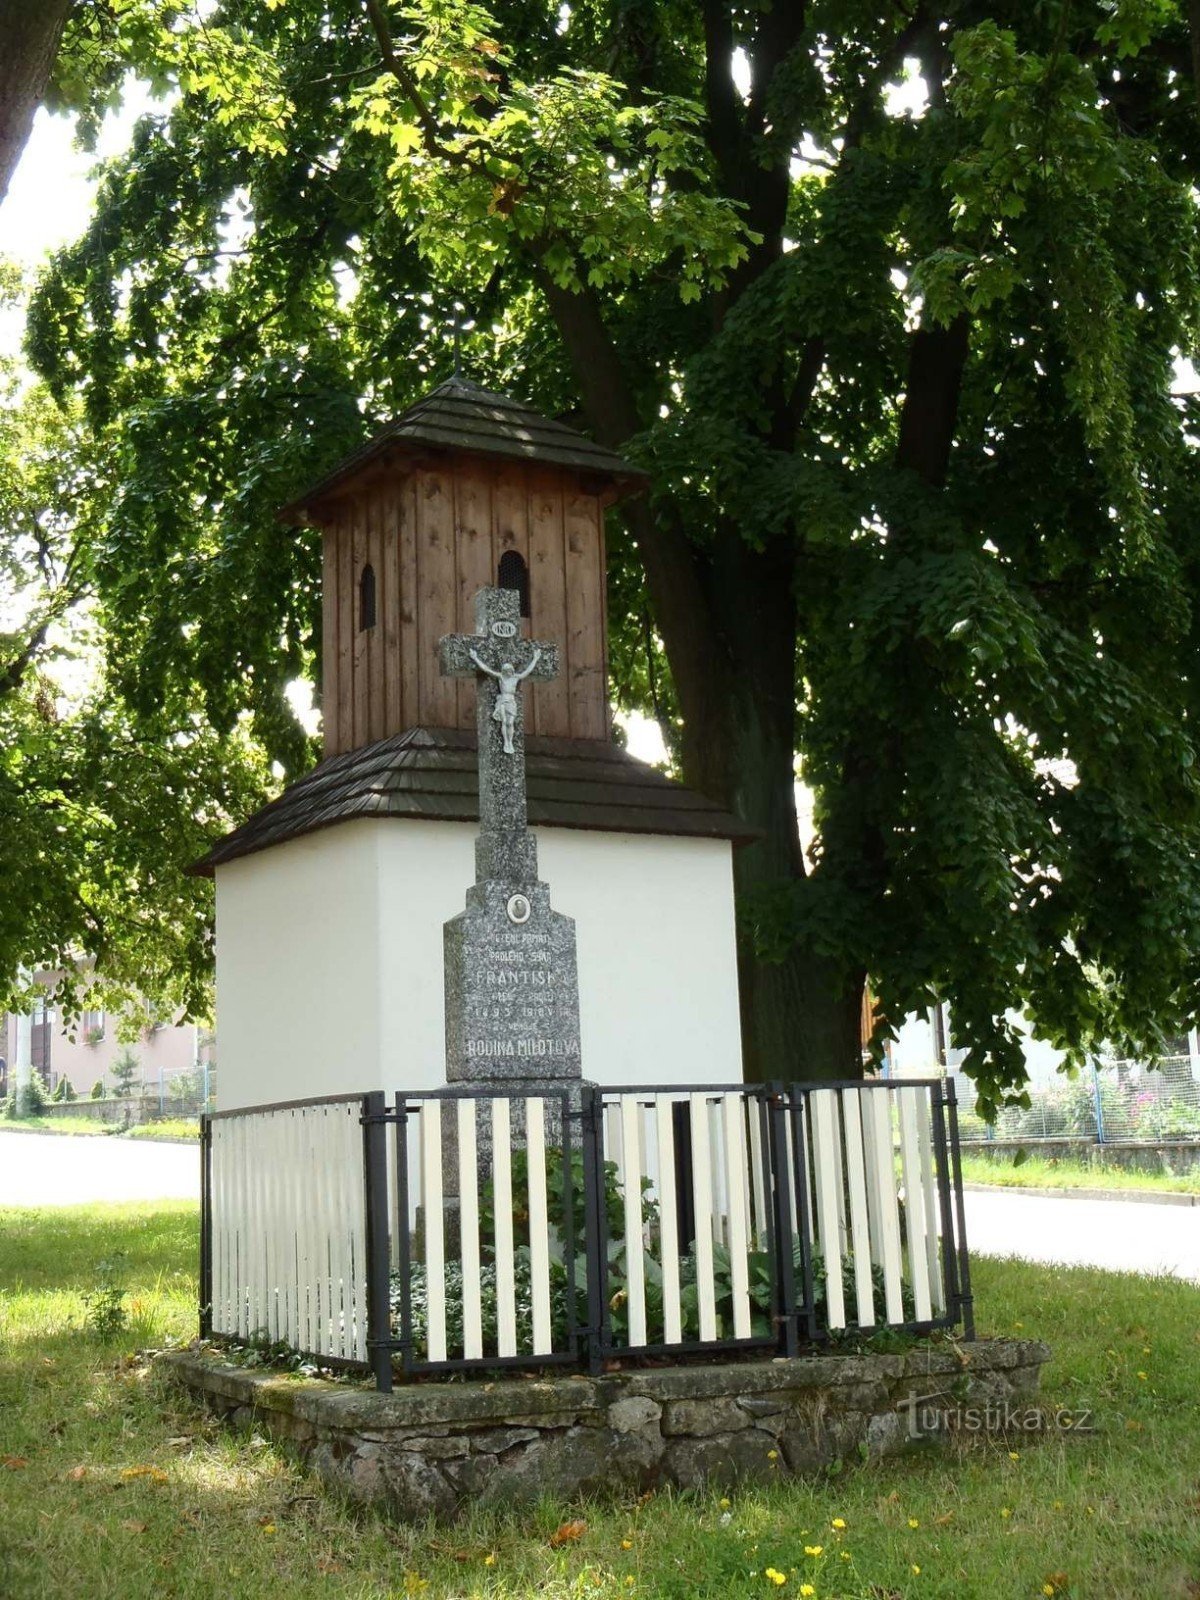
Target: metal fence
point(456, 1230)
point(1115, 1102)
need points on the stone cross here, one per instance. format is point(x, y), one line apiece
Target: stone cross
point(512, 982)
point(501, 661)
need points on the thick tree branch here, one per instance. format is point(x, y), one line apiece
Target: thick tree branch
point(724, 117)
point(669, 558)
point(431, 134)
point(936, 359)
point(31, 31)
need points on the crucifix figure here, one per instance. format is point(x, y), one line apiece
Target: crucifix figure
point(499, 660)
point(506, 708)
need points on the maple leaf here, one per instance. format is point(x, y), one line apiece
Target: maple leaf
point(568, 1533)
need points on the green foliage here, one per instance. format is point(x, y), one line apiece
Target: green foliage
point(994, 678)
point(29, 1099)
point(98, 1090)
point(64, 1090)
point(107, 1313)
point(125, 1069)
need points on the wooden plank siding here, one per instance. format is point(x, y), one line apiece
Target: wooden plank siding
point(548, 598)
point(434, 533)
point(474, 568)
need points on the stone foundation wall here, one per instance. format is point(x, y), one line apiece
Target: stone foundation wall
point(430, 1446)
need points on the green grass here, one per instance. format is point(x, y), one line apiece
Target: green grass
point(120, 1490)
point(53, 1125)
point(167, 1128)
point(1038, 1172)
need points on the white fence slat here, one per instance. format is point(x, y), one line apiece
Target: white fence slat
point(668, 1219)
point(882, 1178)
point(539, 1224)
point(323, 1128)
point(433, 1216)
point(346, 1233)
point(702, 1201)
point(757, 1175)
point(937, 1289)
point(716, 1171)
point(827, 1180)
point(254, 1232)
point(733, 1128)
point(914, 1207)
point(304, 1209)
point(354, 1177)
point(631, 1181)
point(468, 1223)
point(856, 1182)
point(276, 1243)
point(506, 1289)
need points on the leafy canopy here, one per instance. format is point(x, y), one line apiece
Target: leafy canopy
point(995, 668)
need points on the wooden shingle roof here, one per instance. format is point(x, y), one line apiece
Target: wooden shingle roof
point(459, 415)
point(432, 773)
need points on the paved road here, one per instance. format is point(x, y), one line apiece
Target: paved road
point(1125, 1236)
point(56, 1169)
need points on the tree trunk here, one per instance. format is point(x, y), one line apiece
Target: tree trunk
point(31, 31)
point(800, 1013)
point(727, 617)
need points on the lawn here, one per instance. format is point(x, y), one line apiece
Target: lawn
point(1040, 1172)
point(113, 1487)
point(165, 1128)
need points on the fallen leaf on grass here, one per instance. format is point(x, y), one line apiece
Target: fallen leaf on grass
point(131, 1525)
point(15, 1463)
point(943, 1520)
point(76, 1473)
point(568, 1533)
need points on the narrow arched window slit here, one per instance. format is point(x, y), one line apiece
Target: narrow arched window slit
point(366, 597)
point(513, 573)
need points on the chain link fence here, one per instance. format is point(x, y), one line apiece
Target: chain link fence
point(1115, 1102)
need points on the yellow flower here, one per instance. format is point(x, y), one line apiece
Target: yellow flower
point(490, 1559)
point(1142, 1376)
point(845, 1555)
point(1006, 1511)
point(772, 1455)
point(1048, 1588)
point(724, 1504)
point(839, 1523)
point(913, 1523)
point(916, 1570)
point(626, 1544)
point(813, 1549)
point(776, 1577)
point(1014, 1455)
point(268, 1527)
point(807, 1589)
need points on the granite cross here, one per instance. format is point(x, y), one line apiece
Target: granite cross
point(500, 660)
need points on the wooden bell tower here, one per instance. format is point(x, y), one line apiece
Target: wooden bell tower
point(467, 488)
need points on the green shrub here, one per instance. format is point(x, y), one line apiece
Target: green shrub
point(98, 1089)
point(30, 1097)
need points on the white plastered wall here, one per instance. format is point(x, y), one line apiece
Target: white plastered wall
point(329, 957)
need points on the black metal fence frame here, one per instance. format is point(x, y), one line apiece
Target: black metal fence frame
point(782, 1110)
